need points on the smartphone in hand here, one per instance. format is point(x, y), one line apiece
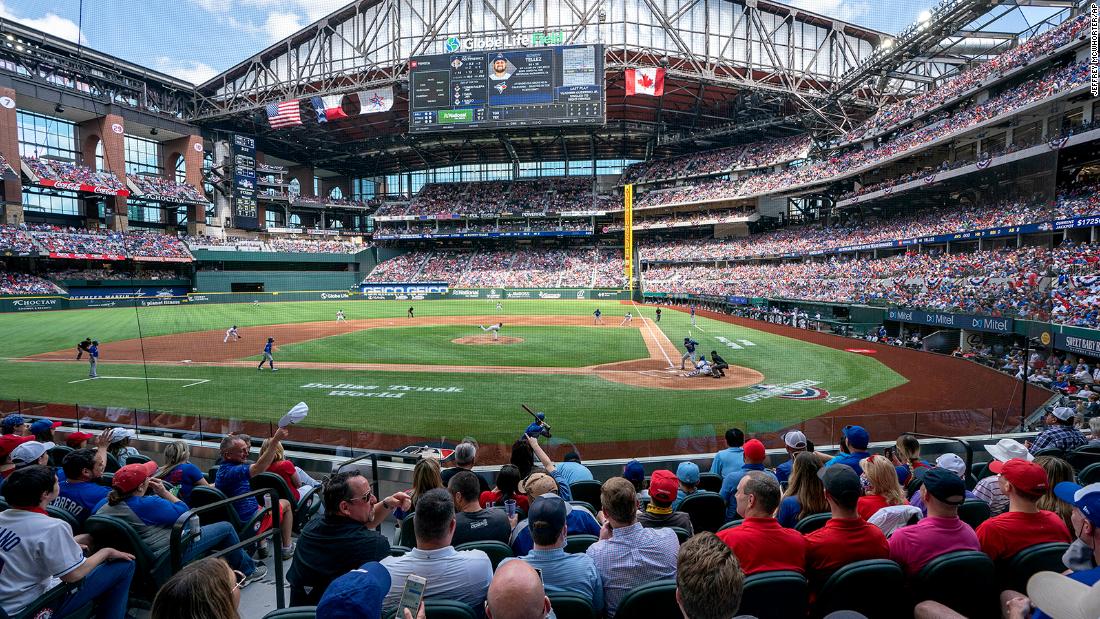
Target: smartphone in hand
point(412, 595)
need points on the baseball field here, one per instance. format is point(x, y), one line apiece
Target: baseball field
point(384, 379)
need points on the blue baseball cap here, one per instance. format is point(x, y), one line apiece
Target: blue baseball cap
point(634, 471)
point(688, 472)
point(857, 437)
point(43, 425)
point(13, 420)
point(1084, 498)
point(359, 593)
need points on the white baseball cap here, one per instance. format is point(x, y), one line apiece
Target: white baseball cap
point(795, 440)
point(1059, 596)
point(953, 463)
point(28, 452)
point(1065, 413)
point(1007, 449)
point(119, 434)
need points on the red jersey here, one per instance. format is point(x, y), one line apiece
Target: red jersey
point(1003, 536)
point(868, 504)
point(490, 497)
point(842, 541)
point(286, 470)
point(762, 545)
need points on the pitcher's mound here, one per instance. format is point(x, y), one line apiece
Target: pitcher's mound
point(486, 340)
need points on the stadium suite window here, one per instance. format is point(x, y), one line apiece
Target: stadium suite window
point(57, 202)
point(45, 136)
point(363, 189)
point(142, 156)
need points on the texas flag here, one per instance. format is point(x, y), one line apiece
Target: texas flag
point(334, 107)
point(645, 82)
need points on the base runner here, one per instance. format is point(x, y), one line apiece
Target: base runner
point(493, 329)
point(231, 332)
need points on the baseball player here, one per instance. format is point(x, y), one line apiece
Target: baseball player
point(93, 359)
point(689, 346)
point(493, 329)
point(718, 365)
point(255, 303)
point(702, 368)
point(340, 316)
point(658, 314)
point(231, 332)
point(597, 320)
point(82, 347)
point(500, 308)
point(627, 319)
point(411, 313)
point(538, 427)
point(268, 358)
point(693, 315)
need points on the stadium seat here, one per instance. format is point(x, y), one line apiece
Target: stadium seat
point(202, 496)
point(151, 569)
point(1053, 452)
point(872, 587)
point(811, 523)
point(731, 524)
point(1014, 573)
point(41, 606)
point(569, 605)
point(106, 480)
point(138, 459)
point(587, 490)
point(112, 464)
point(711, 482)
point(1090, 475)
point(964, 581)
point(681, 534)
point(447, 609)
point(406, 534)
point(1082, 457)
point(585, 505)
point(497, 551)
point(913, 486)
point(294, 612)
point(397, 551)
point(579, 542)
point(775, 595)
point(58, 453)
point(707, 511)
point(212, 474)
point(653, 599)
point(974, 512)
point(305, 508)
point(61, 514)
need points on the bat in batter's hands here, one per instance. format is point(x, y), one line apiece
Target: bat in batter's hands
point(539, 417)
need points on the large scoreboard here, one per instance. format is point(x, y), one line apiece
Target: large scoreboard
point(531, 87)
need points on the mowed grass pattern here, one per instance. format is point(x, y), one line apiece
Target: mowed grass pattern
point(433, 345)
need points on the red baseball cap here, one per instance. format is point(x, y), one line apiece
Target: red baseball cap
point(754, 450)
point(8, 442)
point(663, 485)
point(1027, 477)
point(76, 438)
point(129, 477)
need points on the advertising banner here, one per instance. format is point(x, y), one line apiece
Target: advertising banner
point(485, 235)
point(958, 321)
point(1077, 344)
point(99, 189)
point(126, 292)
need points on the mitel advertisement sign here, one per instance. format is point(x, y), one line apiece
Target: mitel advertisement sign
point(989, 324)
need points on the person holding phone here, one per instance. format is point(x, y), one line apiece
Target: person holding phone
point(359, 594)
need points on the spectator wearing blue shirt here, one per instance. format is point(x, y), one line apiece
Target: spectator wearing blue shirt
point(732, 457)
point(79, 494)
point(688, 474)
point(795, 442)
point(755, 456)
point(571, 470)
point(234, 479)
point(179, 471)
point(153, 516)
point(578, 519)
point(853, 448)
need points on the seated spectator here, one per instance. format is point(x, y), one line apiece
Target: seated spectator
point(550, 468)
point(578, 520)
point(628, 554)
point(755, 456)
point(912, 547)
point(507, 488)
point(345, 536)
point(709, 580)
point(1060, 433)
point(153, 516)
point(853, 448)
point(846, 537)
point(465, 457)
point(207, 588)
point(358, 594)
point(561, 571)
point(523, 457)
point(79, 493)
point(1024, 483)
point(571, 470)
point(40, 552)
point(120, 445)
point(1058, 471)
point(425, 477)
point(907, 454)
point(949, 462)
point(883, 489)
point(233, 479)
point(78, 440)
point(795, 443)
point(43, 431)
point(687, 473)
point(8, 443)
point(731, 458)
point(634, 472)
point(517, 593)
point(284, 468)
point(760, 544)
point(473, 522)
point(462, 576)
point(179, 471)
point(988, 488)
point(14, 424)
point(659, 513)
point(805, 494)
point(29, 454)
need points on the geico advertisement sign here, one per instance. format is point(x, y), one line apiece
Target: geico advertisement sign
point(34, 304)
point(404, 290)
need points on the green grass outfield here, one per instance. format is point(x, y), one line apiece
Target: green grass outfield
point(434, 404)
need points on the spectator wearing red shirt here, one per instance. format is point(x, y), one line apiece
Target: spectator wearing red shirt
point(884, 489)
point(1024, 524)
point(846, 537)
point(283, 468)
point(912, 547)
point(760, 543)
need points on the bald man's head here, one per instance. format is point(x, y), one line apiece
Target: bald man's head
point(516, 593)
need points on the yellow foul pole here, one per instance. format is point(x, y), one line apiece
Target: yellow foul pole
point(628, 236)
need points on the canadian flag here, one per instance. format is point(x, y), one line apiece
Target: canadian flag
point(645, 82)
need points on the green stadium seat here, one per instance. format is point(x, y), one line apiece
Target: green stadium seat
point(151, 569)
point(1082, 457)
point(654, 599)
point(585, 505)
point(707, 511)
point(406, 534)
point(964, 581)
point(775, 595)
point(112, 464)
point(294, 612)
point(1015, 572)
point(1053, 452)
point(681, 534)
point(811, 523)
point(61, 514)
point(974, 512)
point(731, 524)
point(1090, 475)
point(42, 606)
point(579, 542)
point(212, 474)
point(58, 453)
point(202, 496)
point(397, 551)
point(497, 551)
point(874, 587)
point(569, 605)
point(447, 609)
point(138, 459)
point(587, 490)
point(711, 482)
point(305, 507)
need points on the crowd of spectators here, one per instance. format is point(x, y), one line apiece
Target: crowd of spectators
point(69, 240)
point(677, 220)
point(277, 243)
point(70, 172)
point(506, 268)
point(107, 275)
point(331, 201)
point(468, 226)
point(159, 188)
point(16, 240)
point(543, 195)
point(26, 284)
point(761, 154)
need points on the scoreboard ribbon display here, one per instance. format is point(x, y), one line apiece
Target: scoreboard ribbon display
point(533, 87)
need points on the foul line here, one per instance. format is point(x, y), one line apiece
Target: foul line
point(657, 339)
point(191, 382)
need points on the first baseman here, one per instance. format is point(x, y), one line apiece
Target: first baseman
point(93, 359)
point(689, 346)
point(231, 332)
point(268, 357)
point(626, 319)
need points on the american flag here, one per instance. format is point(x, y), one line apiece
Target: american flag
point(283, 114)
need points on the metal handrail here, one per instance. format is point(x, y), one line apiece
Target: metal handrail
point(179, 538)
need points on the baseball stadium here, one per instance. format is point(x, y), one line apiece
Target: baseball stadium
point(646, 237)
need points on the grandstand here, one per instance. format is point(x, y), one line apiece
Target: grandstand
point(466, 247)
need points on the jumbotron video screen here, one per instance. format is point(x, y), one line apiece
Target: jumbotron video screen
point(531, 87)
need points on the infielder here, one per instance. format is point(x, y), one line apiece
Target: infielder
point(411, 313)
point(268, 358)
point(596, 314)
point(340, 316)
point(255, 303)
point(500, 308)
point(493, 329)
point(82, 347)
point(93, 359)
point(627, 319)
point(658, 314)
point(689, 346)
point(231, 332)
point(702, 368)
point(693, 315)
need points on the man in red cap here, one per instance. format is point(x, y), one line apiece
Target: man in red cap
point(8, 443)
point(658, 513)
point(760, 543)
point(78, 440)
point(1024, 524)
point(754, 461)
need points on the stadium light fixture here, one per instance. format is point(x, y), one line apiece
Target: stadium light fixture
point(924, 16)
point(60, 109)
point(154, 131)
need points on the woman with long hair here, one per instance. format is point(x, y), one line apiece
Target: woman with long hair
point(907, 454)
point(426, 476)
point(283, 468)
point(523, 457)
point(205, 589)
point(1058, 471)
point(507, 487)
point(120, 445)
point(179, 471)
point(883, 489)
point(805, 494)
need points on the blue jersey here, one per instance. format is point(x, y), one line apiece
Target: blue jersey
point(692, 310)
point(80, 498)
point(596, 313)
point(93, 351)
point(267, 349)
point(690, 345)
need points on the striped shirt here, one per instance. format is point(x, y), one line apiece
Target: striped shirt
point(564, 572)
point(989, 490)
point(633, 556)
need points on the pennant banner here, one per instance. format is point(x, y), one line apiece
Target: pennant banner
point(377, 100)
